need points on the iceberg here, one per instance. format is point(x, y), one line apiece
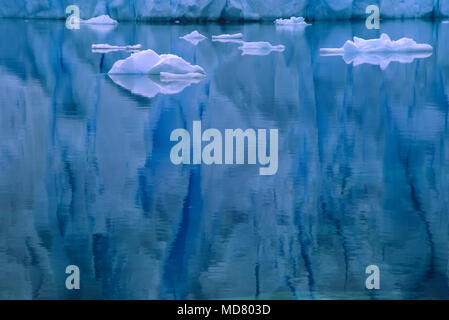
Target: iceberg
point(149, 62)
point(293, 21)
point(384, 44)
point(227, 37)
point(194, 37)
point(105, 48)
point(260, 48)
point(150, 86)
point(380, 52)
point(229, 40)
point(100, 20)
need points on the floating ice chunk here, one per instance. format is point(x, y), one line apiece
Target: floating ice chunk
point(101, 20)
point(259, 48)
point(150, 86)
point(227, 37)
point(149, 62)
point(108, 46)
point(137, 63)
point(105, 48)
point(228, 40)
point(380, 52)
point(445, 22)
point(194, 37)
point(169, 63)
point(293, 21)
point(383, 44)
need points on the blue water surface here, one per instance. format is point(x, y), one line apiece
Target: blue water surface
point(86, 177)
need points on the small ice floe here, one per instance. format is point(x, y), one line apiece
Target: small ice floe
point(149, 62)
point(383, 44)
point(100, 20)
point(106, 48)
point(294, 24)
point(194, 37)
point(293, 21)
point(235, 36)
point(260, 48)
point(380, 51)
point(146, 73)
point(445, 22)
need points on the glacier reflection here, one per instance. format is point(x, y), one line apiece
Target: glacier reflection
point(86, 178)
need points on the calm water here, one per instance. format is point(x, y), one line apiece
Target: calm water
point(86, 179)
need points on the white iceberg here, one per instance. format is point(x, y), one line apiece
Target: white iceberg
point(380, 52)
point(150, 86)
point(194, 37)
point(382, 45)
point(260, 48)
point(293, 21)
point(100, 20)
point(227, 37)
point(228, 40)
point(147, 74)
point(149, 62)
point(445, 22)
point(105, 48)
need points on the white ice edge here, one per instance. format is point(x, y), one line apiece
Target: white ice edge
point(113, 47)
point(227, 36)
point(100, 20)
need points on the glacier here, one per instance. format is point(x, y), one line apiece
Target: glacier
point(225, 9)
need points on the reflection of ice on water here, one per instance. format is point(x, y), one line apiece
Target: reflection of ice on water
point(260, 48)
point(381, 59)
point(150, 86)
